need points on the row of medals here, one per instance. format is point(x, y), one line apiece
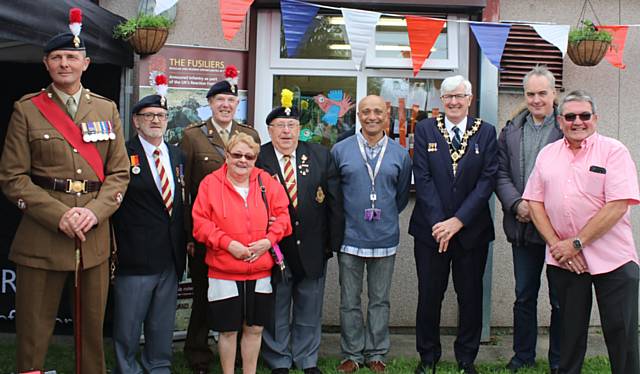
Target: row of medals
point(97, 131)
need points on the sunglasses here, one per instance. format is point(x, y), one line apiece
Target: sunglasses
point(570, 117)
point(247, 156)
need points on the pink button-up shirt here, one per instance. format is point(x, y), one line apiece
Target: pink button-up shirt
point(574, 188)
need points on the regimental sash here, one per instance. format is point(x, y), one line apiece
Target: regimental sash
point(72, 133)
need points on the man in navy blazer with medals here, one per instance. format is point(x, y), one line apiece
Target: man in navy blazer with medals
point(454, 166)
point(309, 175)
point(149, 228)
point(67, 185)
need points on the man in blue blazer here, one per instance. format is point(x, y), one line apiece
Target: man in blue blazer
point(149, 228)
point(455, 168)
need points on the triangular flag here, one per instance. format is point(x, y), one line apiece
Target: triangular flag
point(616, 51)
point(162, 5)
point(557, 35)
point(232, 14)
point(361, 27)
point(296, 18)
point(491, 37)
point(423, 33)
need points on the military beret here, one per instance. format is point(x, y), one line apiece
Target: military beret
point(222, 87)
point(63, 41)
point(151, 101)
point(282, 112)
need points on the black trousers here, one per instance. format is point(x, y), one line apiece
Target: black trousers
point(433, 278)
point(617, 297)
point(196, 345)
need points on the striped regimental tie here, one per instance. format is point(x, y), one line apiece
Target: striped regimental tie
point(167, 195)
point(456, 142)
point(290, 181)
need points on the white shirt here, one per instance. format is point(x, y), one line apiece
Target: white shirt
point(282, 162)
point(450, 125)
point(164, 159)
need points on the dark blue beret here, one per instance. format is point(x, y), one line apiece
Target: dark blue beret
point(223, 87)
point(151, 101)
point(282, 112)
point(63, 41)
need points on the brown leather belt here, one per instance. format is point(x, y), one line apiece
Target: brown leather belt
point(69, 186)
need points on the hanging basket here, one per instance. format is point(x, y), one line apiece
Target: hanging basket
point(588, 52)
point(148, 40)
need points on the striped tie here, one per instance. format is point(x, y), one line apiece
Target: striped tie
point(290, 181)
point(456, 138)
point(167, 196)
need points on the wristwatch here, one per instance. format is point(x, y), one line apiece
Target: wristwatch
point(577, 244)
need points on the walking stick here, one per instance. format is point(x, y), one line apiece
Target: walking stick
point(77, 318)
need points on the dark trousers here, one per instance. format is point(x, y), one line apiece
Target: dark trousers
point(196, 345)
point(528, 261)
point(617, 297)
point(433, 277)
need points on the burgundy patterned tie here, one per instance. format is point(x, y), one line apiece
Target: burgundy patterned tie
point(290, 181)
point(167, 196)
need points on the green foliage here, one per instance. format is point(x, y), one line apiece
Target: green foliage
point(126, 29)
point(588, 32)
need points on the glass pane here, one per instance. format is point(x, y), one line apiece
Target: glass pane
point(409, 100)
point(326, 38)
point(326, 104)
point(392, 40)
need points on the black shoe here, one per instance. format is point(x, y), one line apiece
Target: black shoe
point(280, 371)
point(426, 368)
point(513, 366)
point(313, 370)
point(467, 368)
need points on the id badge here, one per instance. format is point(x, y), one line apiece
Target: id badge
point(372, 214)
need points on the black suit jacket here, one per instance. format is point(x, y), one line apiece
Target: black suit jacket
point(148, 239)
point(440, 195)
point(318, 222)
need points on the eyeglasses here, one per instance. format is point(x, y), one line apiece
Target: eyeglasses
point(247, 156)
point(450, 97)
point(150, 116)
point(282, 126)
point(570, 117)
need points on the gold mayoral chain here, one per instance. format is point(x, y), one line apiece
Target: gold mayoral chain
point(457, 155)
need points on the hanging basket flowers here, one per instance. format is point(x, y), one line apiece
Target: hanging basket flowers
point(147, 33)
point(587, 45)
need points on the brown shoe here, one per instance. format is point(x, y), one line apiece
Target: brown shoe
point(376, 366)
point(348, 366)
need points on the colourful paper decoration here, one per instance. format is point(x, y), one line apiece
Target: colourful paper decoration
point(491, 37)
point(232, 14)
point(296, 18)
point(423, 33)
point(557, 35)
point(616, 51)
point(361, 27)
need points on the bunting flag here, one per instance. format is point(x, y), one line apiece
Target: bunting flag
point(296, 18)
point(557, 35)
point(423, 33)
point(232, 14)
point(361, 27)
point(491, 37)
point(162, 5)
point(616, 51)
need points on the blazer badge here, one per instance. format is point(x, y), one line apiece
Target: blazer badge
point(432, 147)
point(320, 195)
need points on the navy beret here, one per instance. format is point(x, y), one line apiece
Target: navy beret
point(151, 101)
point(282, 112)
point(63, 41)
point(223, 87)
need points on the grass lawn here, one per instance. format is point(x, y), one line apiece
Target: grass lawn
point(61, 359)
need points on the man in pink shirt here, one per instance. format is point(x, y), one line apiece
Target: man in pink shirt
point(579, 195)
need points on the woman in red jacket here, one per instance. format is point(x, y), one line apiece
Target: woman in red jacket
point(230, 218)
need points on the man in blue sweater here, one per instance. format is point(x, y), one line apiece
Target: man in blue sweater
point(375, 172)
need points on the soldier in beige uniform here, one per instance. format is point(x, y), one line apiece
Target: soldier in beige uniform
point(204, 145)
point(64, 191)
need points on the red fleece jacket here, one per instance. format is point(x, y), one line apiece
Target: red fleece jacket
point(220, 216)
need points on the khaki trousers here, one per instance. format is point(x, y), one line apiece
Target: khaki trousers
point(38, 294)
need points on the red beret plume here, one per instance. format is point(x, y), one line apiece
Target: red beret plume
point(75, 15)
